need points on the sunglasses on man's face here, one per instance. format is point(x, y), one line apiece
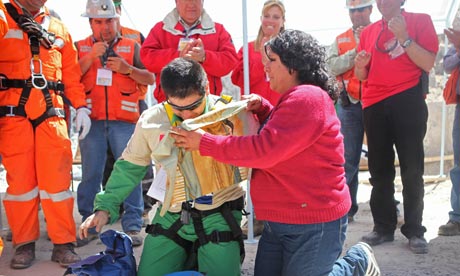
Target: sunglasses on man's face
point(360, 10)
point(189, 107)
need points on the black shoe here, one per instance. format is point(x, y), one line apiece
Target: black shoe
point(64, 254)
point(375, 238)
point(418, 245)
point(24, 256)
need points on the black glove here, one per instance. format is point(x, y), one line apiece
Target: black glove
point(32, 28)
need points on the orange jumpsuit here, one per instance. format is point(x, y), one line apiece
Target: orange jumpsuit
point(38, 160)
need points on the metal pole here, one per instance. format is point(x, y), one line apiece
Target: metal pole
point(250, 238)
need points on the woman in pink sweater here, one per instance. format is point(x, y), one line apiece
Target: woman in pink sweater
point(298, 185)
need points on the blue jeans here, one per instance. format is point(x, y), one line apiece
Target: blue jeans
point(306, 249)
point(93, 156)
point(352, 128)
point(455, 171)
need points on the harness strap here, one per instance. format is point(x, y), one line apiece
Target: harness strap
point(36, 80)
point(199, 228)
point(11, 111)
point(171, 233)
point(51, 111)
point(235, 233)
point(6, 83)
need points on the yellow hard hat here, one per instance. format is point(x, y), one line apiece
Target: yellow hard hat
point(356, 4)
point(100, 9)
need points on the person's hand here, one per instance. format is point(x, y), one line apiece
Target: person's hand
point(262, 49)
point(359, 30)
point(117, 64)
point(397, 25)
point(83, 122)
point(453, 36)
point(195, 50)
point(98, 49)
point(362, 59)
point(98, 220)
point(254, 101)
point(188, 140)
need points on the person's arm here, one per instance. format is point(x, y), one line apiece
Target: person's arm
point(421, 57)
point(361, 65)
point(154, 55)
point(340, 64)
point(97, 51)
point(451, 60)
point(139, 73)
point(122, 181)
point(71, 74)
point(416, 52)
point(281, 138)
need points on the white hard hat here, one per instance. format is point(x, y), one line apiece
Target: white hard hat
point(356, 4)
point(100, 9)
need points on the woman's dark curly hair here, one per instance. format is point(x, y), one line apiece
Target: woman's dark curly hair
point(301, 52)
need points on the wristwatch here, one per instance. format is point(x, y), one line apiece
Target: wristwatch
point(130, 70)
point(406, 43)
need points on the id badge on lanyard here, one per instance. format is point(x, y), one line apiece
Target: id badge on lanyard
point(183, 43)
point(104, 77)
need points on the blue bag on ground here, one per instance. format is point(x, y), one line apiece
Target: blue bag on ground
point(117, 260)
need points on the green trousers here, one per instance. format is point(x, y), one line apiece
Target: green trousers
point(161, 255)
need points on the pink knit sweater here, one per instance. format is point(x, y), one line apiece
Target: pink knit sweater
point(297, 159)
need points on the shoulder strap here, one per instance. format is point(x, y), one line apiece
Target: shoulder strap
point(12, 11)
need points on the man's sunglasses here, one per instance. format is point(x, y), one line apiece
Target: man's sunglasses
point(189, 107)
point(358, 10)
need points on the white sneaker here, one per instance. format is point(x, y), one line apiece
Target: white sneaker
point(372, 266)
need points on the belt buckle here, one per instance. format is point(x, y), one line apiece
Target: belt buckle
point(2, 77)
point(10, 111)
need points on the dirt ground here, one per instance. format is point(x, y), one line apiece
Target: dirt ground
point(394, 258)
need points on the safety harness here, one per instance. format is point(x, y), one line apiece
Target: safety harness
point(197, 216)
point(189, 212)
point(37, 79)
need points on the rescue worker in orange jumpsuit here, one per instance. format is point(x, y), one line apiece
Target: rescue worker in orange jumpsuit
point(38, 72)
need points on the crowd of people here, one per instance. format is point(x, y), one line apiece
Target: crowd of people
point(300, 130)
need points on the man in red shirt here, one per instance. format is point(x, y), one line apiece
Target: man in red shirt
point(394, 53)
point(188, 31)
